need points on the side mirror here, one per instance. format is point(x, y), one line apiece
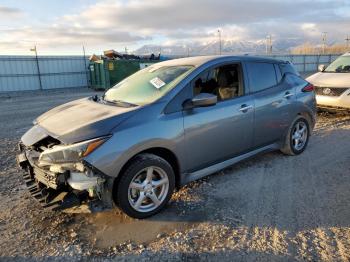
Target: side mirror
point(321, 68)
point(201, 100)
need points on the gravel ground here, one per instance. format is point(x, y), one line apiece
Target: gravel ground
point(269, 208)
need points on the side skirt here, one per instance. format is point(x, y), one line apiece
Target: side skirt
point(189, 177)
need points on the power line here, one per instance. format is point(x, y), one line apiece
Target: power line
point(205, 46)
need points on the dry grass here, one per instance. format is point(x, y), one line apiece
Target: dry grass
point(308, 48)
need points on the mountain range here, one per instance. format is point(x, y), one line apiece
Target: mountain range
point(227, 47)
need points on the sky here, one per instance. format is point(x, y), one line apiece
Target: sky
point(64, 26)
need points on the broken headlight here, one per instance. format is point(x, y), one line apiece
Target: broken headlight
point(70, 153)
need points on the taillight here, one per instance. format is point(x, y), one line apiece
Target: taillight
point(308, 88)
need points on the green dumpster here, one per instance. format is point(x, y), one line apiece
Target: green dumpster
point(106, 73)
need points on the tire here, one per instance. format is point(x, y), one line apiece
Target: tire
point(289, 145)
point(145, 187)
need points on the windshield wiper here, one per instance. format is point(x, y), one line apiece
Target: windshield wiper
point(119, 102)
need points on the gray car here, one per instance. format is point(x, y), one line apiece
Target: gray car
point(164, 126)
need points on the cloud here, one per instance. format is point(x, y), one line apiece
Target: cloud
point(180, 19)
point(119, 22)
point(54, 36)
point(173, 14)
point(7, 13)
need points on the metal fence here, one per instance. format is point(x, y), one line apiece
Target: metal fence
point(19, 73)
point(307, 63)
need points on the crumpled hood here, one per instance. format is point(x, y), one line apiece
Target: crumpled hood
point(330, 79)
point(76, 121)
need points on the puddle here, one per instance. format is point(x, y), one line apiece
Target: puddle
point(112, 228)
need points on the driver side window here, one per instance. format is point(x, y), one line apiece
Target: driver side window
point(224, 81)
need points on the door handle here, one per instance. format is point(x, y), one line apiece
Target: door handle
point(245, 108)
point(288, 95)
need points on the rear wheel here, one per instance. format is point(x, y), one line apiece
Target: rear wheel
point(297, 137)
point(146, 186)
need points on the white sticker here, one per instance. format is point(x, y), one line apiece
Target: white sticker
point(157, 82)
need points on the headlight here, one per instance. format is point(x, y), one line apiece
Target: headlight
point(71, 153)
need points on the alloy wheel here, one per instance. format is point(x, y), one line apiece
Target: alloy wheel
point(148, 189)
point(299, 135)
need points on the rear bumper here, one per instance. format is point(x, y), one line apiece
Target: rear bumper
point(53, 190)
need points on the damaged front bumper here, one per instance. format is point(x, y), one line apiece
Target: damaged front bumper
point(64, 186)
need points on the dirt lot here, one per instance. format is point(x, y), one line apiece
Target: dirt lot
point(272, 207)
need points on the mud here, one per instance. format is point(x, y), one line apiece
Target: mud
point(269, 208)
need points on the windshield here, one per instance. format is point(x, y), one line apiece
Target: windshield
point(340, 65)
point(147, 85)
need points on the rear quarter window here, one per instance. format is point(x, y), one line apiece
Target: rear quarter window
point(294, 80)
point(288, 68)
point(261, 76)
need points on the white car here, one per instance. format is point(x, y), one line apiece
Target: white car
point(332, 84)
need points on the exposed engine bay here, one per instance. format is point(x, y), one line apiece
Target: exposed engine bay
point(58, 177)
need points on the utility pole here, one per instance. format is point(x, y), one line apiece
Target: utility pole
point(37, 66)
point(269, 44)
point(324, 41)
point(219, 31)
point(126, 50)
point(347, 39)
point(86, 69)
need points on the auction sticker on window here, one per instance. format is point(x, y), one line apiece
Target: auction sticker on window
point(157, 82)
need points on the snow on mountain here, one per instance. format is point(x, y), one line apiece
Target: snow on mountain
point(227, 47)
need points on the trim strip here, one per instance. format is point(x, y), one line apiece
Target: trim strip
point(189, 177)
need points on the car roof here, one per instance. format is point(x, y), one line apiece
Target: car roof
point(200, 60)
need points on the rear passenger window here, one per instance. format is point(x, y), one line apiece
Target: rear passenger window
point(261, 76)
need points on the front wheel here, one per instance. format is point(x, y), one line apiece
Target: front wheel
point(297, 137)
point(146, 186)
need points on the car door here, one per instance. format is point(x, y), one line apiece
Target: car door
point(221, 131)
point(273, 100)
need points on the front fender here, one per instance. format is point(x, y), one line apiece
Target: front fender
point(165, 132)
